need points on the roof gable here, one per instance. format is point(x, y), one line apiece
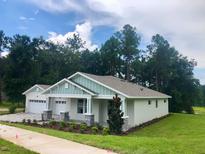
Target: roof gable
point(127, 89)
point(35, 88)
point(72, 88)
point(93, 84)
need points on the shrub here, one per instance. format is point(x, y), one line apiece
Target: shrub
point(83, 127)
point(24, 121)
point(34, 121)
point(12, 109)
point(72, 125)
point(52, 123)
point(29, 121)
point(100, 127)
point(62, 124)
point(105, 131)
point(94, 130)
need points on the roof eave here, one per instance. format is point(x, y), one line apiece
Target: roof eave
point(149, 97)
point(67, 80)
point(84, 75)
point(36, 85)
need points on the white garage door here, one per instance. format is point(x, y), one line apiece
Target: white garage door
point(59, 106)
point(36, 106)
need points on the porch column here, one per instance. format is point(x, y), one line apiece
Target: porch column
point(47, 103)
point(89, 117)
point(125, 117)
point(47, 114)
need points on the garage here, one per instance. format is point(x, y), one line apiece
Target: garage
point(36, 106)
point(60, 105)
point(35, 101)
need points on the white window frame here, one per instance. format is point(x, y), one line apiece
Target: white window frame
point(83, 106)
point(66, 85)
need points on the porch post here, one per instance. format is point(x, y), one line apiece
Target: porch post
point(47, 114)
point(125, 117)
point(89, 106)
point(89, 117)
point(47, 103)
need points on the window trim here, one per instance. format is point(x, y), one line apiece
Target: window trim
point(83, 106)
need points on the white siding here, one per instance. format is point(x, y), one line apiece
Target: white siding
point(103, 112)
point(73, 112)
point(130, 113)
point(57, 108)
point(143, 112)
point(81, 117)
point(35, 107)
point(95, 109)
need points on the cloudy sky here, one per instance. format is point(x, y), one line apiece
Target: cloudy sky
point(182, 22)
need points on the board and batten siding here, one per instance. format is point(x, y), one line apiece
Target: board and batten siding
point(61, 89)
point(143, 112)
point(93, 86)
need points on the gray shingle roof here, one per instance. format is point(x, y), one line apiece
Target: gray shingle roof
point(128, 88)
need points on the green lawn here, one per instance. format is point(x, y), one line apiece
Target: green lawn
point(6, 104)
point(10, 148)
point(6, 111)
point(4, 107)
point(199, 110)
point(178, 133)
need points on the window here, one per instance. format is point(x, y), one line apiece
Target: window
point(37, 101)
point(66, 85)
point(165, 101)
point(60, 102)
point(82, 106)
point(149, 102)
point(156, 103)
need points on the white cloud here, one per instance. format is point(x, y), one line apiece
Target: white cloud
point(26, 19)
point(4, 53)
point(57, 6)
point(22, 18)
point(182, 22)
point(84, 30)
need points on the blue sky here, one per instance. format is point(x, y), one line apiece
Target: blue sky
point(181, 22)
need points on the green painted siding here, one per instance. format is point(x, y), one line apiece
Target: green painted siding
point(60, 89)
point(92, 85)
point(35, 90)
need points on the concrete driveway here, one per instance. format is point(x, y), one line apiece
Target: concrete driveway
point(18, 117)
point(46, 144)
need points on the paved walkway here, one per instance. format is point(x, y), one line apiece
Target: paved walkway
point(46, 144)
point(18, 117)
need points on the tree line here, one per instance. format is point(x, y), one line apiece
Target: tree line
point(159, 66)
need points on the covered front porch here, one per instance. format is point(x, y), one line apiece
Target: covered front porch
point(71, 101)
point(81, 108)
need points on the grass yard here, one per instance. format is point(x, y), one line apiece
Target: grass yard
point(178, 133)
point(10, 148)
point(199, 110)
point(6, 111)
point(4, 107)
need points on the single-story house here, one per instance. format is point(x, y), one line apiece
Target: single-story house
point(85, 97)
